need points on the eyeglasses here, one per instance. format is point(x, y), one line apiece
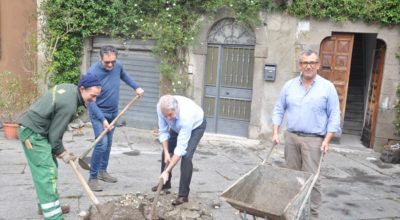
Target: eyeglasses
point(109, 62)
point(311, 63)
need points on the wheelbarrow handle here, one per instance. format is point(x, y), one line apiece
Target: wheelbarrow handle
point(269, 154)
point(311, 187)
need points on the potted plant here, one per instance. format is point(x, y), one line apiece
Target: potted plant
point(13, 102)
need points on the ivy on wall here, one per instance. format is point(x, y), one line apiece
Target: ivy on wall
point(172, 23)
point(397, 107)
point(385, 12)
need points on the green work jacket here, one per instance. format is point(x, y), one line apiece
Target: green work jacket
point(50, 115)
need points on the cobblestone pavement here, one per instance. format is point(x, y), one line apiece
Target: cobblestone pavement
point(356, 185)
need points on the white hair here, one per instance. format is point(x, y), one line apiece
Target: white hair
point(167, 103)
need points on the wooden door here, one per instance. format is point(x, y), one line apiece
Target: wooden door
point(368, 132)
point(335, 57)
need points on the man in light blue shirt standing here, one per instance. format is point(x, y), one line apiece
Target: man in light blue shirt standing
point(311, 106)
point(181, 125)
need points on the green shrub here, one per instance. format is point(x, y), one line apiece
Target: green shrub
point(172, 23)
point(397, 107)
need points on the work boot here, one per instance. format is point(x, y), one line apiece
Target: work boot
point(95, 185)
point(64, 208)
point(106, 177)
point(314, 215)
point(165, 187)
point(180, 200)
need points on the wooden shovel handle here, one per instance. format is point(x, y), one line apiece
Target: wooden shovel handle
point(111, 125)
point(159, 187)
point(153, 205)
point(84, 184)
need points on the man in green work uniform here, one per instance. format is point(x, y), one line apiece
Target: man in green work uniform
point(41, 131)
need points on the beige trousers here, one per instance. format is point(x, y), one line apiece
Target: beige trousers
point(304, 153)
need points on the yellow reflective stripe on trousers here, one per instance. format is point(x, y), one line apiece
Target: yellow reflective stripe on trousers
point(54, 95)
point(50, 204)
point(52, 213)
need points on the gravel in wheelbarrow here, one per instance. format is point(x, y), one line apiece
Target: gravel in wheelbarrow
point(270, 192)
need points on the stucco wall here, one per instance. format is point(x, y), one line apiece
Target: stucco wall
point(391, 36)
point(18, 25)
point(279, 41)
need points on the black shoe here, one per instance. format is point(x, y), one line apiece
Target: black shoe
point(165, 187)
point(180, 200)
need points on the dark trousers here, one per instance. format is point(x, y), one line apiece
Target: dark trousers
point(186, 160)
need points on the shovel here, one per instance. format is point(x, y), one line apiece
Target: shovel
point(82, 159)
point(153, 205)
point(106, 211)
point(159, 187)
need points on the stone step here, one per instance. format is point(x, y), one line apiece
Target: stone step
point(355, 108)
point(353, 124)
point(355, 97)
point(350, 131)
point(353, 119)
point(355, 105)
point(352, 127)
point(355, 90)
point(353, 115)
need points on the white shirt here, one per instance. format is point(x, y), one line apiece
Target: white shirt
point(189, 117)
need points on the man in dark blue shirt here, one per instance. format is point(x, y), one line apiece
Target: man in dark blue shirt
point(109, 71)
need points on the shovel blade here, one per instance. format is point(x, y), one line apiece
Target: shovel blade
point(85, 165)
point(104, 211)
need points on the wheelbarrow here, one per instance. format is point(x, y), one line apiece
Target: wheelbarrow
point(271, 192)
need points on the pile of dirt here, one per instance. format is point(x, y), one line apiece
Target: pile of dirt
point(138, 205)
